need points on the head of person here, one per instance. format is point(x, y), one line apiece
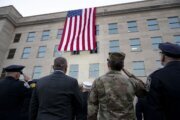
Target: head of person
point(169, 52)
point(14, 71)
point(60, 63)
point(86, 86)
point(116, 61)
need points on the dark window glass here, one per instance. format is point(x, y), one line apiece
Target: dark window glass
point(96, 50)
point(11, 53)
point(75, 52)
point(17, 37)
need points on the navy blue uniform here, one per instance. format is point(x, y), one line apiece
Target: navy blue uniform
point(164, 94)
point(14, 99)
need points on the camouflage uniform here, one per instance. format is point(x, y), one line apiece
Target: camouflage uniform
point(112, 96)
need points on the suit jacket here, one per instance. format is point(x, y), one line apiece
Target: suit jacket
point(56, 97)
point(14, 99)
point(164, 94)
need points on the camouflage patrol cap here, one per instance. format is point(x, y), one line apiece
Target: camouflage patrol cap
point(116, 56)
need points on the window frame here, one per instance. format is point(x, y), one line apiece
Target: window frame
point(174, 22)
point(139, 45)
point(59, 34)
point(116, 46)
point(92, 70)
point(139, 69)
point(27, 53)
point(113, 28)
point(31, 36)
point(131, 27)
point(152, 26)
point(35, 73)
point(44, 36)
point(155, 44)
point(72, 71)
point(39, 52)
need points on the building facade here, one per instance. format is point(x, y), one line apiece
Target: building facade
point(134, 28)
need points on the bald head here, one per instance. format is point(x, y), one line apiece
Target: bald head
point(60, 63)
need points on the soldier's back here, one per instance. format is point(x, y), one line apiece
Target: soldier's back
point(116, 94)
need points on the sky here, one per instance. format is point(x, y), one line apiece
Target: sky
point(37, 7)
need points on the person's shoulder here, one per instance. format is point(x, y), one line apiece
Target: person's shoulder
point(157, 72)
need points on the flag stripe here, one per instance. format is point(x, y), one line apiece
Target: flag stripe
point(79, 31)
point(74, 33)
point(94, 29)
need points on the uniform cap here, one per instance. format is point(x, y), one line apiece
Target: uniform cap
point(14, 68)
point(87, 85)
point(170, 49)
point(116, 56)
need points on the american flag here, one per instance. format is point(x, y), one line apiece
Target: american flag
point(79, 31)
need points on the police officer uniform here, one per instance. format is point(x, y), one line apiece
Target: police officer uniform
point(163, 98)
point(14, 96)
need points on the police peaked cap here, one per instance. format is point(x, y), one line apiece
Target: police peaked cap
point(170, 49)
point(14, 68)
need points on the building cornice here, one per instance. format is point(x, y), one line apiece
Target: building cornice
point(103, 12)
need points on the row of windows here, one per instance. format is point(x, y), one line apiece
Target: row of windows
point(152, 24)
point(138, 69)
point(114, 46)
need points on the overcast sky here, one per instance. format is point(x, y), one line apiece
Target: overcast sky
point(36, 7)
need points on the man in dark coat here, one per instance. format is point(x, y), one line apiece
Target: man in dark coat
point(14, 95)
point(56, 96)
point(163, 98)
point(140, 108)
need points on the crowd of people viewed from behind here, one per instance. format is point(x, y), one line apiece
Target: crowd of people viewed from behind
point(110, 97)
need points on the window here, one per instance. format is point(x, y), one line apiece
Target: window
point(96, 50)
point(177, 39)
point(26, 53)
point(132, 26)
point(114, 46)
point(73, 72)
point(138, 68)
point(155, 42)
point(97, 29)
point(152, 24)
point(113, 28)
point(94, 70)
point(56, 52)
point(45, 35)
point(135, 44)
point(75, 53)
point(17, 37)
point(31, 37)
point(41, 51)
point(59, 34)
point(11, 53)
point(174, 22)
point(37, 72)
point(158, 64)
